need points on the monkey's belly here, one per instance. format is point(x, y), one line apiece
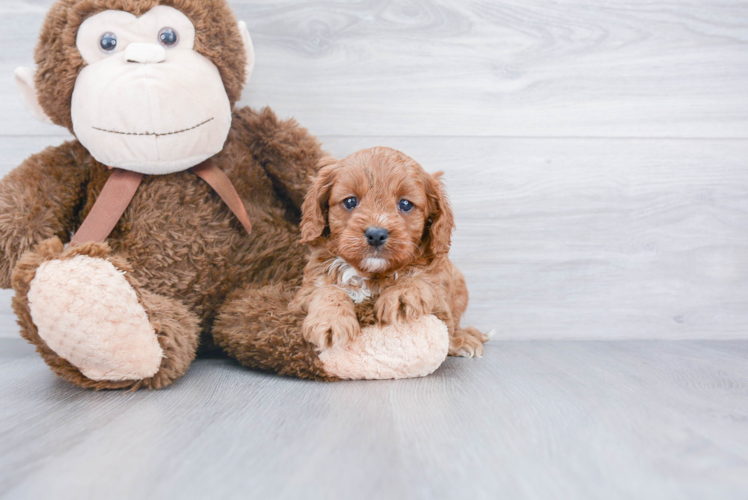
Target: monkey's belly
point(200, 255)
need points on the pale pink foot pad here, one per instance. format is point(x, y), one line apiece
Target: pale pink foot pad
point(391, 352)
point(87, 312)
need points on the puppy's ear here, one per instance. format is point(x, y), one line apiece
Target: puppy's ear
point(315, 207)
point(440, 223)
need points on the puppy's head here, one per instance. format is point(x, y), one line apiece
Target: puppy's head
point(378, 210)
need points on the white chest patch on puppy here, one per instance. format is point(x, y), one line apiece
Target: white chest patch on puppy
point(374, 264)
point(350, 281)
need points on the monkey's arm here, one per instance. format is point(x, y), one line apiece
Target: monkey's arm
point(287, 152)
point(38, 200)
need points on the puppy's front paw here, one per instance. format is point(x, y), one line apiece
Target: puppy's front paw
point(403, 304)
point(327, 330)
point(467, 343)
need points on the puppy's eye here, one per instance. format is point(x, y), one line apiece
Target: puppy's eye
point(108, 42)
point(405, 206)
point(168, 37)
point(350, 203)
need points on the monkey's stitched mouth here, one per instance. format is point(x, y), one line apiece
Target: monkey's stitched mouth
point(154, 134)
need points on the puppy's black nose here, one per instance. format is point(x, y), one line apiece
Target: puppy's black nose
point(376, 236)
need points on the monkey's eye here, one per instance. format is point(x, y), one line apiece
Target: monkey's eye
point(108, 42)
point(350, 203)
point(405, 206)
point(168, 37)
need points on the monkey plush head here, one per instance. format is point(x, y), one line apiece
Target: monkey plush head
point(145, 85)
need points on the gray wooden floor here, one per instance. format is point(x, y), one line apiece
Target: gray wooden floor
point(597, 157)
point(539, 419)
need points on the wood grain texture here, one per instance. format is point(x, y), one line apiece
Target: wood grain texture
point(633, 419)
point(445, 67)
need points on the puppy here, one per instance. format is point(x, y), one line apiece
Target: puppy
point(379, 228)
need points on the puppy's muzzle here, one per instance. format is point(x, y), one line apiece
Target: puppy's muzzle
point(376, 236)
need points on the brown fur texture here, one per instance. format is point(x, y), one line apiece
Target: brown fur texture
point(420, 279)
point(257, 328)
point(412, 275)
point(59, 62)
point(183, 249)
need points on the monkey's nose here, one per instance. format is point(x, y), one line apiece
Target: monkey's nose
point(376, 236)
point(145, 53)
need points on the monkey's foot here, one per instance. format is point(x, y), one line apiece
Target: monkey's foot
point(87, 312)
point(390, 352)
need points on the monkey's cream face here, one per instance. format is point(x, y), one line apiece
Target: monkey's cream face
point(147, 101)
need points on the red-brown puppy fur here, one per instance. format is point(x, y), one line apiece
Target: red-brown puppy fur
point(406, 277)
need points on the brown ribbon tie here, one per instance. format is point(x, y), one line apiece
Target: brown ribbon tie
point(222, 185)
point(120, 189)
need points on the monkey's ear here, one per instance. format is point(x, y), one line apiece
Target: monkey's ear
point(249, 48)
point(24, 78)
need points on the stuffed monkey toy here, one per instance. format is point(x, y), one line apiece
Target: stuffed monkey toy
point(171, 205)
